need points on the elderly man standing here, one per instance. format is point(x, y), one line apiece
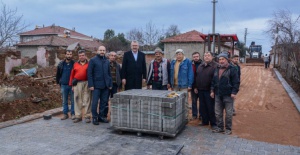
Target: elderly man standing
point(181, 72)
point(205, 73)
point(63, 73)
point(134, 68)
point(99, 81)
point(82, 94)
point(115, 71)
point(224, 87)
point(159, 72)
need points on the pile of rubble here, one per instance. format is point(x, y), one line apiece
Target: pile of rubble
point(27, 95)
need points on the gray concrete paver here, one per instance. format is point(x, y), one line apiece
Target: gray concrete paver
point(65, 137)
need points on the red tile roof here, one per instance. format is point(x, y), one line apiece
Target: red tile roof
point(191, 36)
point(61, 41)
point(223, 37)
point(52, 30)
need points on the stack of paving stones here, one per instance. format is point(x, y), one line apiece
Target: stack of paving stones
point(149, 111)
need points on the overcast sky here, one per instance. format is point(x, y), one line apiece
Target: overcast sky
point(94, 17)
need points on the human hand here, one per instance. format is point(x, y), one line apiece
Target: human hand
point(196, 91)
point(124, 82)
point(212, 95)
point(233, 96)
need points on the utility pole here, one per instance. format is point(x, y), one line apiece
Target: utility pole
point(245, 36)
point(245, 39)
point(213, 26)
point(275, 47)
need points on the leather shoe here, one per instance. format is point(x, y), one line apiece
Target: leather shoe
point(203, 124)
point(66, 116)
point(95, 121)
point(103, 120)
point(76, 120)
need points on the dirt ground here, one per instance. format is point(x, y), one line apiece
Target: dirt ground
point(39, 95)
point(264, 111)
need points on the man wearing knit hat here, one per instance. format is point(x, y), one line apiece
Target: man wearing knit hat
point(159, 72)
point(224, 87)
point(181, 72)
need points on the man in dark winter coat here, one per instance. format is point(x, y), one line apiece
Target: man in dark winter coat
point(99, 82)
point(134, 68)
point(204, 77)
point(63, 74)
point(224, 87)
point(235, 64)
point(195, 63)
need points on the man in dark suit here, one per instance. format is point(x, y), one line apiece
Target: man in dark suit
point(99, 82)
point(133, 68)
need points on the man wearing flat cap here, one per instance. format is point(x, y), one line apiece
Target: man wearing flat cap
point(159, 72)
point(224, 87)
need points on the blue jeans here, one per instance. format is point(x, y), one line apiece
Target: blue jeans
point(103, 95)
point(195, 110)
point(113, 90)
point(221, 103)
point(207, 107)
point(66, 90)
point(158, 86)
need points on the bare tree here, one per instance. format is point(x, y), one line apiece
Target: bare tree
point(286, 27)
point(10, 25)
point(172, 31)
point(151, 35)
point(135, 34)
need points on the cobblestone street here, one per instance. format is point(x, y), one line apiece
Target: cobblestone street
point(65, 137)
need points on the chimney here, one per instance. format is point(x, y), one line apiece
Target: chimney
point(67, 33)
point(73, 29)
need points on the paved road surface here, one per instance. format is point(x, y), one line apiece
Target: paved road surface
point(65, 137)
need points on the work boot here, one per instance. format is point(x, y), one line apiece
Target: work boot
point(227, 132)
point(76, 120)
point(102, 119)
point(95, 121)
point(217, 130)
point(87, 120)
point(66, 116)
point(73, 117)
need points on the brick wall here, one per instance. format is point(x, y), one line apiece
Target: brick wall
point(2, 63)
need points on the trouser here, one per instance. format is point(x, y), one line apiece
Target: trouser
point(266, 64)
point(207, 107)
point(113, 90)
point(195, 110)
point(66, 90)
point(176, 88)
point(82, 99)
point(103, 95)
point(158, 86)
point(221, 103)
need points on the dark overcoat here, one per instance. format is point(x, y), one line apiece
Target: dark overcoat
point(134, 71)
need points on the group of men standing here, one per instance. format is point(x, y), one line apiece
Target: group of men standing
point(87, 82)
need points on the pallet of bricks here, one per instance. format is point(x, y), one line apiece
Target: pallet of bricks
point(149, 111)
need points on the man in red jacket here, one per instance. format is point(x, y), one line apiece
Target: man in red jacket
point(82, 94)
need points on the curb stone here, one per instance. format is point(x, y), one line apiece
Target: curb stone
point(292, 94)
point(28, 118)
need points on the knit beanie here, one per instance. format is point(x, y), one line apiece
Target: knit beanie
point(224, 55)
point(179, 51)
